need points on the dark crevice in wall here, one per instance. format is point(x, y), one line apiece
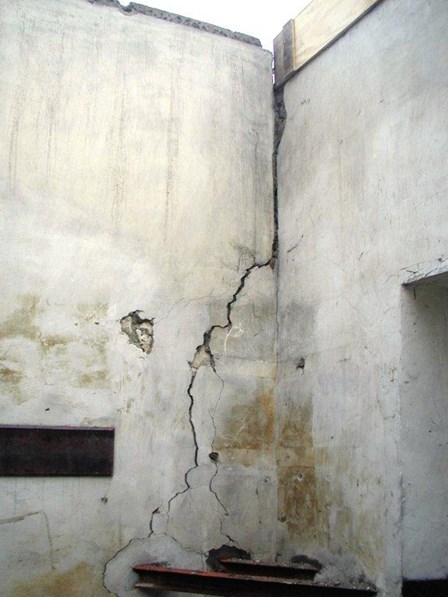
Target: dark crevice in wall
point(225, 551)
point(133, 8)
point(203, 354)
point(279, 128)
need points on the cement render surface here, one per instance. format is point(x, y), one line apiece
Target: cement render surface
point(136, 176)
point(135, 172)
point(362, 204)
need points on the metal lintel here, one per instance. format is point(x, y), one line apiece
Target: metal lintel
point(256, 568)
point(226, 584)
point(28, 451)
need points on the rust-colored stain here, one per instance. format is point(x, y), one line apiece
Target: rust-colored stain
point(250, 426)
point(298, 496)
point(79, 581)
point(296, 425)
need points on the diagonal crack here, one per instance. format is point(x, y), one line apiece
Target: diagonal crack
point(203, 356)
point(190, 416)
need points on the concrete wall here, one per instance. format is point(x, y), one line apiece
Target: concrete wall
point(362, 202)
point(135, 171)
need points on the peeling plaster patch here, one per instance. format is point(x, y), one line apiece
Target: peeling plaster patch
point(139, 331)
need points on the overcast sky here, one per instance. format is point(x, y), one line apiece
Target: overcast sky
point(260, 19)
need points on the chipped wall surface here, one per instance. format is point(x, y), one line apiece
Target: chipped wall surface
point(362, 199)
point(137, 226)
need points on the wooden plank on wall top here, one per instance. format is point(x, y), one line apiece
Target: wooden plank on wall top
point(283, 51)
point(56, 451)
point(314, 29)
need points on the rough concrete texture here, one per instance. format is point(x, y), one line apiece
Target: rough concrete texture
point(134, 8)
point(136, 180)
point(362, 199)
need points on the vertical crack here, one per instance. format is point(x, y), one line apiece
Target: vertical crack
point(190, 416)
point(203, 355)
point(279, 129)
point(151, 522)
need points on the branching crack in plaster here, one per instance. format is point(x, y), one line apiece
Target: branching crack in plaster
point(203, 355)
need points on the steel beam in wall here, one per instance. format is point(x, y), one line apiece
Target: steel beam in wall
point(27, 451)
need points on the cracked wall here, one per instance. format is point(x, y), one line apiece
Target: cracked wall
point(138, 225)
point(361, 188)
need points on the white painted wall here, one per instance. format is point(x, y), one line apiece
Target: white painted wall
point(362, 199)
point(135, 171)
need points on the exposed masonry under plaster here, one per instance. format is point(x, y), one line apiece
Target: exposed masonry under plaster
point(139, 331)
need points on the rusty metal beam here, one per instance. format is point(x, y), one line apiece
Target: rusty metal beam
point(27, 451)
point(155, 577)
point(257, 568)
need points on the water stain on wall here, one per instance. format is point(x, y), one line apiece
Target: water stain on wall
point(49, 342)
point(10, 379)
point(296, 425)
point(298, 499)
point(8, 375)
point(21, 321)
point(94, 379)
point(249, 426)
point(78, 581)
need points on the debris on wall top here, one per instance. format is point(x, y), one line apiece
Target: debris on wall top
point(133, 8)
